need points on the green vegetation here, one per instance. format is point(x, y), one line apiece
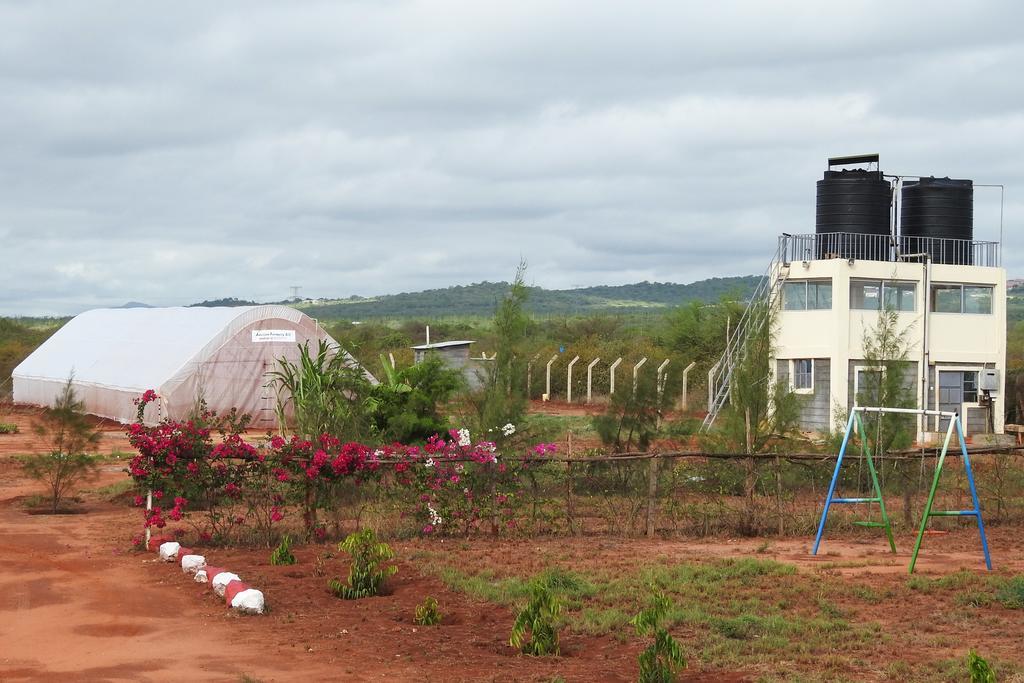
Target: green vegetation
point(324, 393)
point(535, 631)
point(69, 435)
point(8, 428)
point(407, 401)
point(283, 552)
point(980, 670)
point(660, 661)
point(427, 613)
point(18, 338)
point(369, 569)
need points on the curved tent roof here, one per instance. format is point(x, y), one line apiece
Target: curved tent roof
point(221, 354)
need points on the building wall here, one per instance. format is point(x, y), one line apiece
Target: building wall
point(836, 335)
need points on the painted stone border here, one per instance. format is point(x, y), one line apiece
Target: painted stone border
point(237, 595)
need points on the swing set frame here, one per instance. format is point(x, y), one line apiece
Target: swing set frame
point(856, 421)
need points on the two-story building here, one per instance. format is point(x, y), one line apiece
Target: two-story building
point(948, 293)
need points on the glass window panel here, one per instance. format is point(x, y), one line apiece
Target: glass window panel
point(908, 294)
point(803, 374)
point(970, 387)
point(794, 296)
point(899, 296)
point(823, 296)
point(946, 298)
point(865, 295)
point(977, 299)
point(869, 386)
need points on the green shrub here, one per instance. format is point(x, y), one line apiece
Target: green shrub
point(369, 570)
point(535, 631)
point(980, 670)
point(1011, 594)
point(70, 434)
point(661, 659)
point(283, 553)
point(427, 613)
point(8, 428)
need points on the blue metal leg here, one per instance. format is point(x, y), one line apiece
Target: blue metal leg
point(832, 486)
point(974, 494)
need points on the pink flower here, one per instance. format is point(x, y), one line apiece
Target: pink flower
point(428, 529)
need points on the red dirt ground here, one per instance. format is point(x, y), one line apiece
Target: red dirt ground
point(75, 604)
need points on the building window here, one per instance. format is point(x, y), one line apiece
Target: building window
point(970, 387)
point(871, 295)
point(802, 372)
point(961, 299)
point(867, 386)
point(807, 295)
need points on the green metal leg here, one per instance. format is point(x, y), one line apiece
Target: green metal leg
point(931, 495)
point(874, 482)
point(928, 512)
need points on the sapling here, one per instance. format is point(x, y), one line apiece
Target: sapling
point(663, 657)
point(69, 433)
point(283, 553)
point(427, 613)
point(535, 631)
point(369, 568)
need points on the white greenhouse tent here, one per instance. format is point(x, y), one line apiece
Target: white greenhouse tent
point(223, 355)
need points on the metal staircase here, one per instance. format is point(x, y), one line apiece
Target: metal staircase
point(755, 316)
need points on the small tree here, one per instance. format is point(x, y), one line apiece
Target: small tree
point(661, 659)
point(69, 434)
point(369, 568)
point(633, 418)
point(502, 399)
point(535, 631)
point(885, 348)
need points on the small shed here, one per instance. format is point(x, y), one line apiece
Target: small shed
point(455, 355)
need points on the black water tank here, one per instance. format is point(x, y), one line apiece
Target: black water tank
point(856, 202)
point(934, 212)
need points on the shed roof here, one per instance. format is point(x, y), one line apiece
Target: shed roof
point(443, 345)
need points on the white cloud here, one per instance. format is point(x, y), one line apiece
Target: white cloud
point(369, 147)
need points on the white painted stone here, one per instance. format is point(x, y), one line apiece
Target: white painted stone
point(249, 601)
point(169, 551)
point(190, 564)
point(221, 581)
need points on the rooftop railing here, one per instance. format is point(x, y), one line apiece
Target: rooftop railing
point(864, 247)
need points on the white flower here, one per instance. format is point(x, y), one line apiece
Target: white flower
point(509, 429)
point(464, 439)
point(429, 462)
point(435, 519)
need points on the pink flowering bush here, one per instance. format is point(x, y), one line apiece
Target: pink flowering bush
point(203, 471)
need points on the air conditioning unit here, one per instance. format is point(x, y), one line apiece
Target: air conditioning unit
point(988, 380)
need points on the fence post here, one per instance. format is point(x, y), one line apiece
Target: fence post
point(685, 400)
point(568, 380)
point(652, 493)
point(636, 369)
point(611, 375)
point(590, 377)
point(569, 511)
point(547, 385)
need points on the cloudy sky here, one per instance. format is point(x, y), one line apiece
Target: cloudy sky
point(172, 152)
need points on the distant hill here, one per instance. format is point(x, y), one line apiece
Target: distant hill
point(226, 302)
point(135, 304)
point(481, 299)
